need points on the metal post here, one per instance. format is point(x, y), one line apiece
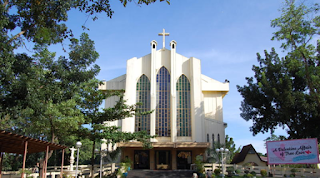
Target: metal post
point(223, 152)
point(78, 145)
point(222, 164)
point(77, 164)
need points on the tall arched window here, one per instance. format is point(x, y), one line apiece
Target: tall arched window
point(143, 96)
point(163, 103)
point(183, 107)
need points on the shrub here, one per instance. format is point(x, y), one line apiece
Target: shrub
point(294, 170)
point(238, 171)
point(253, 173)
point(199, 164)
point(263, 172)
point(217, 171)
point(284, 175)
point(248, 175)
point(246, 171)
point(230, 169)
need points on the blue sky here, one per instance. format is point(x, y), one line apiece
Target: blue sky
point(224, 34)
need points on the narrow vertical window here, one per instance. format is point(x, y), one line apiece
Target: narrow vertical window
point(219, 139)
point(183, 107)
point(163, 103)
point(208, 150)
point(142, 122)
point(212, 141)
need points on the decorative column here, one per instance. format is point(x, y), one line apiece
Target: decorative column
point(197, 130)
point(173, 84)
point(153, 85)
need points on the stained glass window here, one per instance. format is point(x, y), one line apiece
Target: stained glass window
point(163, 103)
point(143, 96)
point(183, 107)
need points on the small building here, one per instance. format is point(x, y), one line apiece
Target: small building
point(248, 155)
point(187, 105)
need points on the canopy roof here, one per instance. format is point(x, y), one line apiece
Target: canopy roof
point(14, 143)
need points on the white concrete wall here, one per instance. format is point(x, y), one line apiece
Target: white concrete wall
point(213, 107)
point(206, 93)
point(214, 127)
point(130, 92)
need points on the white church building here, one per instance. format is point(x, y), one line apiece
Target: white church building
point(187, 108)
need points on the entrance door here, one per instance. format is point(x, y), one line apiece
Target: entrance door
point(141, 159)
point(163, 159)
point(184, 159)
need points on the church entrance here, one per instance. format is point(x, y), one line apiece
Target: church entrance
point(141, 159)
point(163, 159)
point(184, 159)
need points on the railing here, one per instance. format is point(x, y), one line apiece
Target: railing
point(54, 171)
point(274, 170)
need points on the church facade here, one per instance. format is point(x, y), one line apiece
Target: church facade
point(187, 108)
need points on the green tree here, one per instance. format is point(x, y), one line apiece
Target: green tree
point(273, 137)
point(284, 92)
point(229, 144)
point(42, 23)
point(39, 93)
point(95, 117)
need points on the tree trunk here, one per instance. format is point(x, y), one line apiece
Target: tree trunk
point(92, 159)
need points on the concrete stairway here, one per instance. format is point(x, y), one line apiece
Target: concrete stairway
point(159, 174)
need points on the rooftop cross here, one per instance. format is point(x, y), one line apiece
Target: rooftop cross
point(164, 39)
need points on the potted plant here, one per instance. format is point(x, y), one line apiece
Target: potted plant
point(125, 166)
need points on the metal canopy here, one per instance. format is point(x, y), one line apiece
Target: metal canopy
point(14, 143)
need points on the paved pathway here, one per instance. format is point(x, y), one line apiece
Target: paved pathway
point(159, 174)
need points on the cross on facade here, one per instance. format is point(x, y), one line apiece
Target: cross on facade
point(163, 34)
